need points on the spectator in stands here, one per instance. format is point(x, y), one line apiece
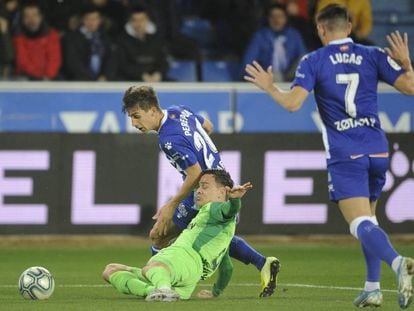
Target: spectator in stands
point(361, 16)
point(141, 56)
point(10, 10)
point(37, 46)
point(113, 14)
point(277, 44)
point(6, 50)
point(88, 52)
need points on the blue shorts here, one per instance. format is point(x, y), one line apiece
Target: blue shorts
point(361, 177)
point(185, 212)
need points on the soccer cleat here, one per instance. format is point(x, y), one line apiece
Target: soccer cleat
point(405, 274)
point(369, 299)
point(163, 294)
point(268, 275)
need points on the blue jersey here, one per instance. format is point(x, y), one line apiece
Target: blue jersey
point(344, 77)
point(185, 142)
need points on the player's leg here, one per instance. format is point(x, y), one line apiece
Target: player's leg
point(174, 273)
point(269, 267)
point(371, 294)
point(127, 280)
point(403, 267)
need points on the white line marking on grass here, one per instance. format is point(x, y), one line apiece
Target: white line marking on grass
point(231, 284)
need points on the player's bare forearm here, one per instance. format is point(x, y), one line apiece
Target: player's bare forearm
point(291, 100)
point(190, 182)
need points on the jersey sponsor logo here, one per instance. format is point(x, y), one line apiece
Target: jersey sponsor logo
point(184, 122)
point(350, 123)
point(344, 58)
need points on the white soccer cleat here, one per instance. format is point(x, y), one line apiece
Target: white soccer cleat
point(404, 277)
point(163, 294)
point(369, 299)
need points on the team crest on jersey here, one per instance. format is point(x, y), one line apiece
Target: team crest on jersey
point(344, 48)
point(168, 145)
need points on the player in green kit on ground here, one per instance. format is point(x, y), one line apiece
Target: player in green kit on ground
point(200, 250)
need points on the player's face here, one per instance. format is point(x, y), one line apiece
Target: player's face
point(209, 191)
point(144, 121)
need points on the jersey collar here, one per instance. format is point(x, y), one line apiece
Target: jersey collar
point(341, 41)
point(164, 119)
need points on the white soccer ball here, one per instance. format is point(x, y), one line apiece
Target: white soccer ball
point(36, 283)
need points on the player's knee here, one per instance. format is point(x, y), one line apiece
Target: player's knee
point(109, 269)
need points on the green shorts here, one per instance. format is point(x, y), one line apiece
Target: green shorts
point(185, 265)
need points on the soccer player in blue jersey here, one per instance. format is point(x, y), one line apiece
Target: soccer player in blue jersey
point(183, 137)
point(344, 78)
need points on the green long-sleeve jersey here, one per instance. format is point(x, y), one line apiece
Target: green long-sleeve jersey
point(209, 234)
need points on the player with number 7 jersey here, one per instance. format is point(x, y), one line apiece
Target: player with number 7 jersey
point(344, 78)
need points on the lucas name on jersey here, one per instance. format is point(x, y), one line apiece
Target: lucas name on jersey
point(344, 58)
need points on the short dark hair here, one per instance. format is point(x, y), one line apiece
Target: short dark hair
point(89, 9)
point(334, 16)
point(142, 96)
point(276, 6)
point(137, 9)
point(221, 176)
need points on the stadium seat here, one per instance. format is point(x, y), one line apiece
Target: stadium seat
point(403, 6)
point(182, 71)
point(200, 30)
point(213, 71)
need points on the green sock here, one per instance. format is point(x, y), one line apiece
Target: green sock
point(127, 283)
point(138, 274)
point(159, 277)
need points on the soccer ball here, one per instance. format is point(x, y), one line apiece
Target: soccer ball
point(36, 283)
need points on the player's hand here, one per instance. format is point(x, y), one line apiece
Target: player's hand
point(257, 75)
point(238, 191)
point(398, 49)
point(205, 294)
point(164, 217)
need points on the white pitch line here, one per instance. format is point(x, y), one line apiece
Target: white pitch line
point(231, 284)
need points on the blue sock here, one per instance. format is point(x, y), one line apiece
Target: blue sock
point(376, 241)
point(154, 250)
point(373, 264)
point(240, 250)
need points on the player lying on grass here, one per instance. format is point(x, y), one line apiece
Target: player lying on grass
point(200, 250)
point(183, 137)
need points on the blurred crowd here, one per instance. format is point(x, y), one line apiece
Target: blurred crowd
point(136, 40)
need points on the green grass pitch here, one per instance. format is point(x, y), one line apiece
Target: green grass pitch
point(314, 276)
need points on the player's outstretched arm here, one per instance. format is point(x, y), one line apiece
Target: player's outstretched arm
point(400, 52)
point(237, 192)
point(291, 100)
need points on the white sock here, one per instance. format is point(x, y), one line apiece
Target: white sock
point(370, 286)
point(396, 263)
